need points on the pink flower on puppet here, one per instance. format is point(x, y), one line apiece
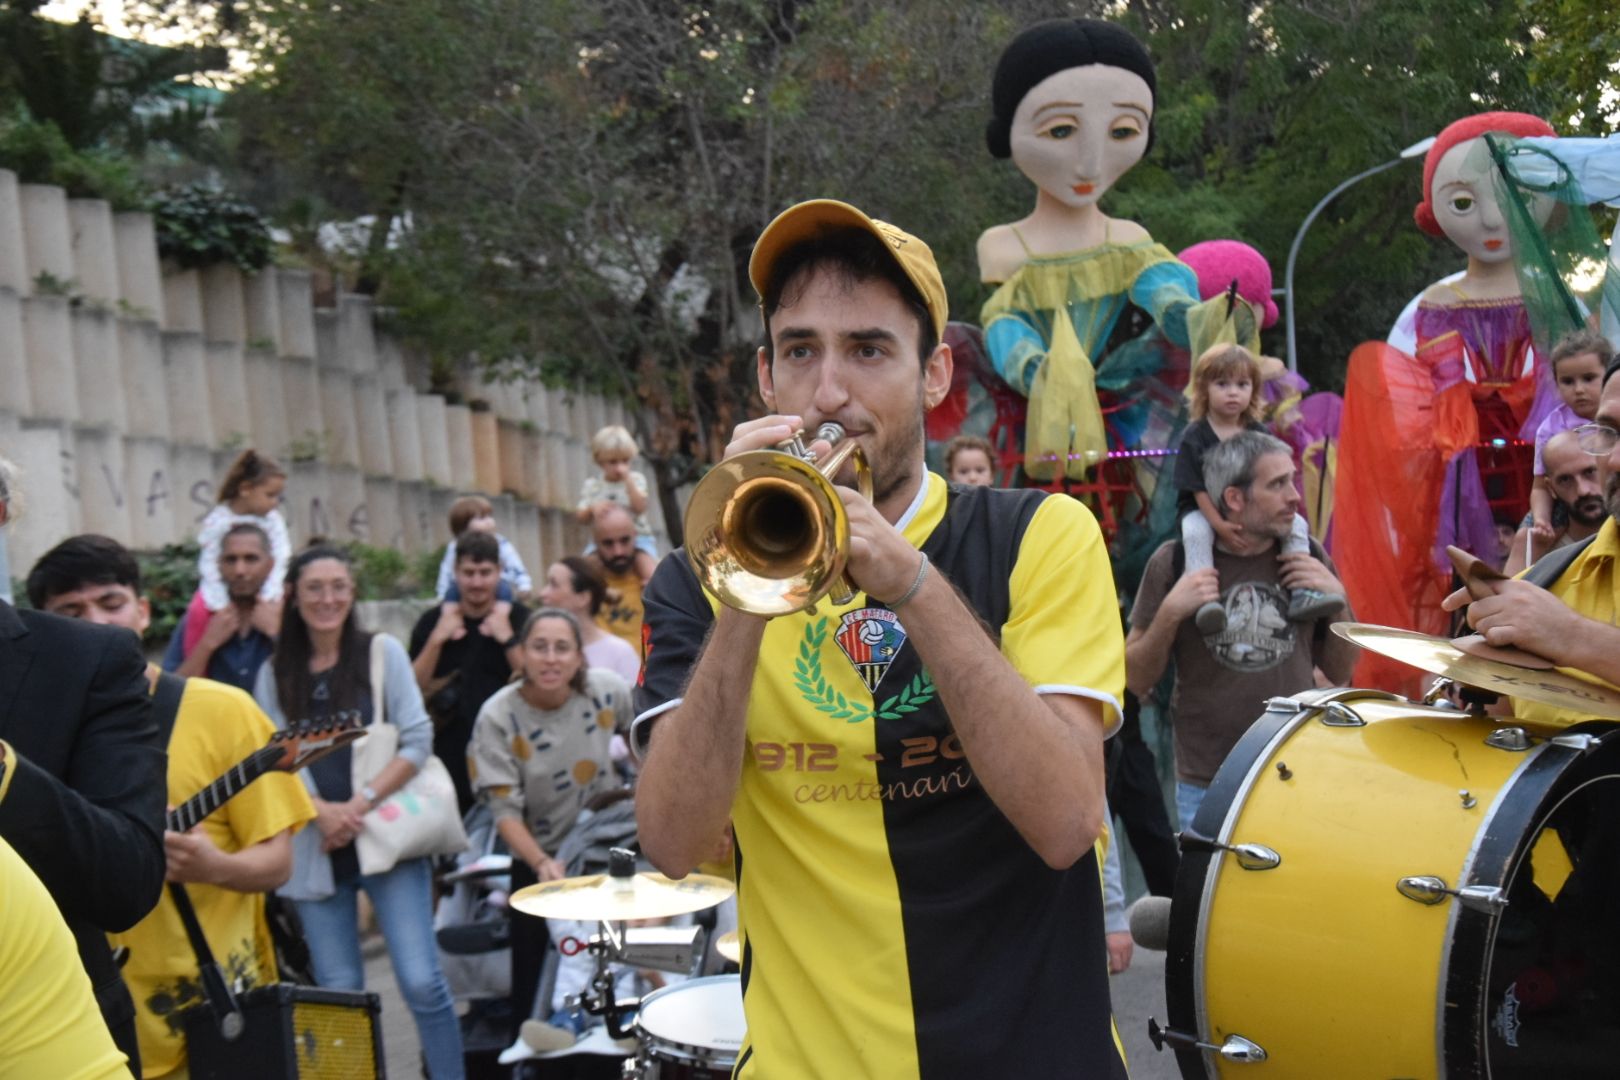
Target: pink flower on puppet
point(1218, 262)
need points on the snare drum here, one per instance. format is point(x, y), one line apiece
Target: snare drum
point(692, 1031)
point(1377, 888)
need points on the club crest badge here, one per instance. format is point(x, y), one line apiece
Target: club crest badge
point(871, 638)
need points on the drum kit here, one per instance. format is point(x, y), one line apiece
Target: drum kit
point(692, 1030)
point(1379, 887)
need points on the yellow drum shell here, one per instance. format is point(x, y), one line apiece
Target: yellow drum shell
point(1320, 960)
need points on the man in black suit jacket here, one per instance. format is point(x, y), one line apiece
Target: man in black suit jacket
point(82, 789)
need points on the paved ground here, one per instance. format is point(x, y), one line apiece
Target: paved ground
point(1138, 994)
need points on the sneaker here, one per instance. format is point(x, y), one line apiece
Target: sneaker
point(1211, 618)
point(543, 1038)
point(1308, 605)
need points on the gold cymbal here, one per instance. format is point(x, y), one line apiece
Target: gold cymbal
point(599, 897)
point(729, 945)
point(1442, 656)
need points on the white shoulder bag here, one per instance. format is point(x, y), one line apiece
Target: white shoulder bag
point(421, 818)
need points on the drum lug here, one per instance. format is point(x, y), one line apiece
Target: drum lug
point(1509, 738)
point(1249, 856)
point(1235, 1048)
point(1428, 889)
point(1338, 714)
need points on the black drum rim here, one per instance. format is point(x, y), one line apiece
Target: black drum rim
point(1466, 1040)
point(1502, 833)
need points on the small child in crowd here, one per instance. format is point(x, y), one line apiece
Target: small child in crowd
point(1226, 400)
point(970, 459)
point(251, 492)
point(1577, 362)
point(613, 448)
point(473, 513)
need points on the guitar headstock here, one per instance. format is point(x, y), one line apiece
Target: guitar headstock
point(306, 742)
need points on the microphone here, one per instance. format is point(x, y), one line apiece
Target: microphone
point(1150, 922)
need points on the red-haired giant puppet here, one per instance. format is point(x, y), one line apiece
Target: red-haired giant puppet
point(1431, 441)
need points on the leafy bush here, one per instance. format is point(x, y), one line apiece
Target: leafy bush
point(169, 578)
point(39, 153)
point(199, 226)
point(383, 573)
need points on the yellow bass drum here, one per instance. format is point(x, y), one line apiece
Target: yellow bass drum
point(1376, 888)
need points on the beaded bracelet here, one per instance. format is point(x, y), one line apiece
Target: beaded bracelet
point(922, 572)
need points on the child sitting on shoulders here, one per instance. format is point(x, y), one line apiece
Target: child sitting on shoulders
point(1225, 401)
point(613, 448)
point(970, 459)
point(1578, 361)
point(251, 492)
point(475, 513)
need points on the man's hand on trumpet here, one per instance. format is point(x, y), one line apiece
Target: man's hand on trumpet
point(767, 433)
point(882, 562)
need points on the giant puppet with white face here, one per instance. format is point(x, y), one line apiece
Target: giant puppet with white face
point(1475, 328)
point(1432, 446)
point(1072, 106)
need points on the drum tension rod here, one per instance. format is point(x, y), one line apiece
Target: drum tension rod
point(1249, 856)
point(1236, 1048)
point(1428, 889)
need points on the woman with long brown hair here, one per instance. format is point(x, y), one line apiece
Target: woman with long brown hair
point(321, 667)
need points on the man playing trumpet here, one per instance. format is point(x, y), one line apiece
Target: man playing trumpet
point(915, 776)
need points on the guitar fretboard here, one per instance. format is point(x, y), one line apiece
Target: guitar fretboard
point(215, 795)
point(290, 750)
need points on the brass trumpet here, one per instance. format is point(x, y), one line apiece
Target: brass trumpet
point(766, 531)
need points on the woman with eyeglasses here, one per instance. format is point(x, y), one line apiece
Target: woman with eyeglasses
point(321, 666)
point(539, 751)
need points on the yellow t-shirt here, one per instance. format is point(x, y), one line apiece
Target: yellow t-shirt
point(50, 1025)
point(623, 619)
point(894, 923)
point(217, 726)
point(1590, 587)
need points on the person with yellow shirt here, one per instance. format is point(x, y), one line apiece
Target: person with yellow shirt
point(228, 861)
point(915, 777)
point(1564, 607)
point(50, 1024)
point(614, 531)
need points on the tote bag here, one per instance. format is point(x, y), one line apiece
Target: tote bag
point(422, 817)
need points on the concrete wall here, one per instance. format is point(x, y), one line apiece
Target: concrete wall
point(129, 387)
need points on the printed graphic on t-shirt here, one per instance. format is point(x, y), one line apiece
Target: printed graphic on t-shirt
point(871, 638)
point(1258, 634)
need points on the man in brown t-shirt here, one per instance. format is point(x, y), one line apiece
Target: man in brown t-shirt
point(1223, 680)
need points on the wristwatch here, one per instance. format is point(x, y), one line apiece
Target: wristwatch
point(511, 641)
point(370, 795)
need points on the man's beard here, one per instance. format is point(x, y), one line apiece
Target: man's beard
point(892, 460)
point(1588, 510)
point(1611, 496)
point(619, 564)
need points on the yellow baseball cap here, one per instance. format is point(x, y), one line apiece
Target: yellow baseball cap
point(799, 223)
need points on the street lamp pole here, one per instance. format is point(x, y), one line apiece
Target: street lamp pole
point(1417, 149)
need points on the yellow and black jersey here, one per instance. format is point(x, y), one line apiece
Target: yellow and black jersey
point(894, 923)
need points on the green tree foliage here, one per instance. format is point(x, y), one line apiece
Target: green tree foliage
point(574, 186)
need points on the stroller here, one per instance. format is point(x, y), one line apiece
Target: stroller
point(475, 952)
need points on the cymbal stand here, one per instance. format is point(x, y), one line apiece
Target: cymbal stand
point(599, 1000)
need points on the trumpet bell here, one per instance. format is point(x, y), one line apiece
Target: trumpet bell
point(766, 533)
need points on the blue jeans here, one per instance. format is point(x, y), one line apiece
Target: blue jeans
point(1189, 797)
point(403, 900)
